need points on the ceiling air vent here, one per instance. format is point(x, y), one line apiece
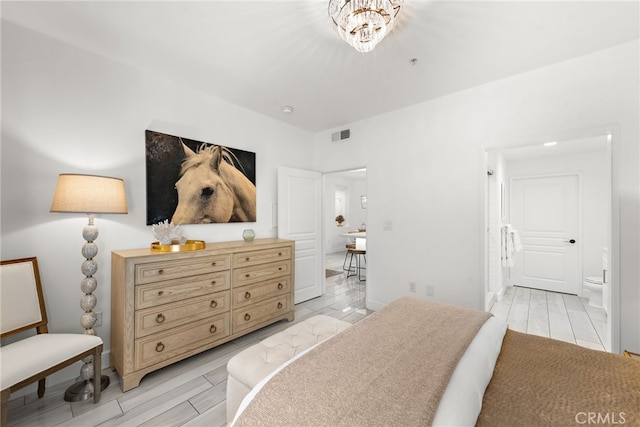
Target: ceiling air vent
point(340, 136)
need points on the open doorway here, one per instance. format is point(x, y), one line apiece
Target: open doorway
point(345, 219)
point(530, 241)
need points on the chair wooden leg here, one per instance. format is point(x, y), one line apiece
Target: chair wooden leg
point(3, 402)
point(97, 374)
point(41, 386)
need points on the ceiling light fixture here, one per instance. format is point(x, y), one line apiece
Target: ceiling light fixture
point(363, 23)
point(550, 143)
point(287, 109)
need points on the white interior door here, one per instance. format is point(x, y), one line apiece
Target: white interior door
point(545, 211)
point(300, 219)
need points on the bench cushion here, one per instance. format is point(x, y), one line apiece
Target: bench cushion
point(250, 366)
point(25, 358)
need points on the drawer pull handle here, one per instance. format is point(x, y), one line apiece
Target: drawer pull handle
point(159, 347)
point(247, 275)
point(213, 264)
point(280, 286)
point(160, 293)
point(160, 271)
point(160, 318)
point(247, 317)
point(213, 282)
point(279, 253)
point(279, 268)
point(213, 304)
point(279, 305)
point(213, 329)
point(247, 295)
point(247, 259)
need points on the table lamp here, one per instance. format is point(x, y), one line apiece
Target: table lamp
point(90, 194)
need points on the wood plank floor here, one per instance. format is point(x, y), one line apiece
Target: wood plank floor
point(193, 392)
point(553, 315)
point(188, 393)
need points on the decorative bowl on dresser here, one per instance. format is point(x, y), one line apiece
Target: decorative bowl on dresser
point(166, 306)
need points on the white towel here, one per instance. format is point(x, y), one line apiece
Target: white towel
point(517, 243)
point(511, 244)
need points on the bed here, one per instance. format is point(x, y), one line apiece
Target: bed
point(416, 362)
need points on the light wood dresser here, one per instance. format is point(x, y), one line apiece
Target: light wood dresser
point(166, 306)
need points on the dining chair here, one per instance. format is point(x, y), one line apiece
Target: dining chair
point(33, 358)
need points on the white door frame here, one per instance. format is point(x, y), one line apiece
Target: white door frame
point(612, 131)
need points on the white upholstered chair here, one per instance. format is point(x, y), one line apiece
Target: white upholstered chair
point(32, 359)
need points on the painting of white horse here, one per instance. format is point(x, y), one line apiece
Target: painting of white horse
point(212, 184)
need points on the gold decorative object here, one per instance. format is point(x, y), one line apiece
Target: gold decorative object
point(189, 245)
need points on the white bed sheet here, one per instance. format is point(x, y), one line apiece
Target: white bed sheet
point(462, 399)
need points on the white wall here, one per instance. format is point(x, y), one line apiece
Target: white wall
point(425, 174)
point(67, 110)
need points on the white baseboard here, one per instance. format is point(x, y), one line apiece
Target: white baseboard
point(489, 301)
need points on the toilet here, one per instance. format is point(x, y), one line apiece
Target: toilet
point(595, 286)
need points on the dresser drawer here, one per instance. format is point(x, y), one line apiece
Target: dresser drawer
point(167, 270)
point(259, 292)
point(154, 294)
point(261, 257)
point(250, 316)
point(248, 275)
point(165, 345)
point(158, 319)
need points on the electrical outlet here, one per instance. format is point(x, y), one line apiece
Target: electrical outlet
point(412, 287)
point(98, 318)
point(431, 290)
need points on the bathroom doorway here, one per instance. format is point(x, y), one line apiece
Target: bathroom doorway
point(588, 159)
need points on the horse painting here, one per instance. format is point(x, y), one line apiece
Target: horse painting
point(211, 189)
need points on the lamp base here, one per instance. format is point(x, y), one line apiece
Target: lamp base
point(83, 390)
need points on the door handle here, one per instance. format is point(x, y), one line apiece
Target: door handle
point(572, 241)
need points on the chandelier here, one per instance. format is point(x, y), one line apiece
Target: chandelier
point(363, 23)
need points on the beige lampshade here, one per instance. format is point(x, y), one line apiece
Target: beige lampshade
point(89, 194)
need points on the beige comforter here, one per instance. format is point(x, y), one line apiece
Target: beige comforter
point(543, 382)
point(350, 380)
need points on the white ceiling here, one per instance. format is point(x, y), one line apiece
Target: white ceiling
point(264, 55)
point(562, 148)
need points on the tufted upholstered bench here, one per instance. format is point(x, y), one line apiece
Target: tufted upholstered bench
point(251, 365)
